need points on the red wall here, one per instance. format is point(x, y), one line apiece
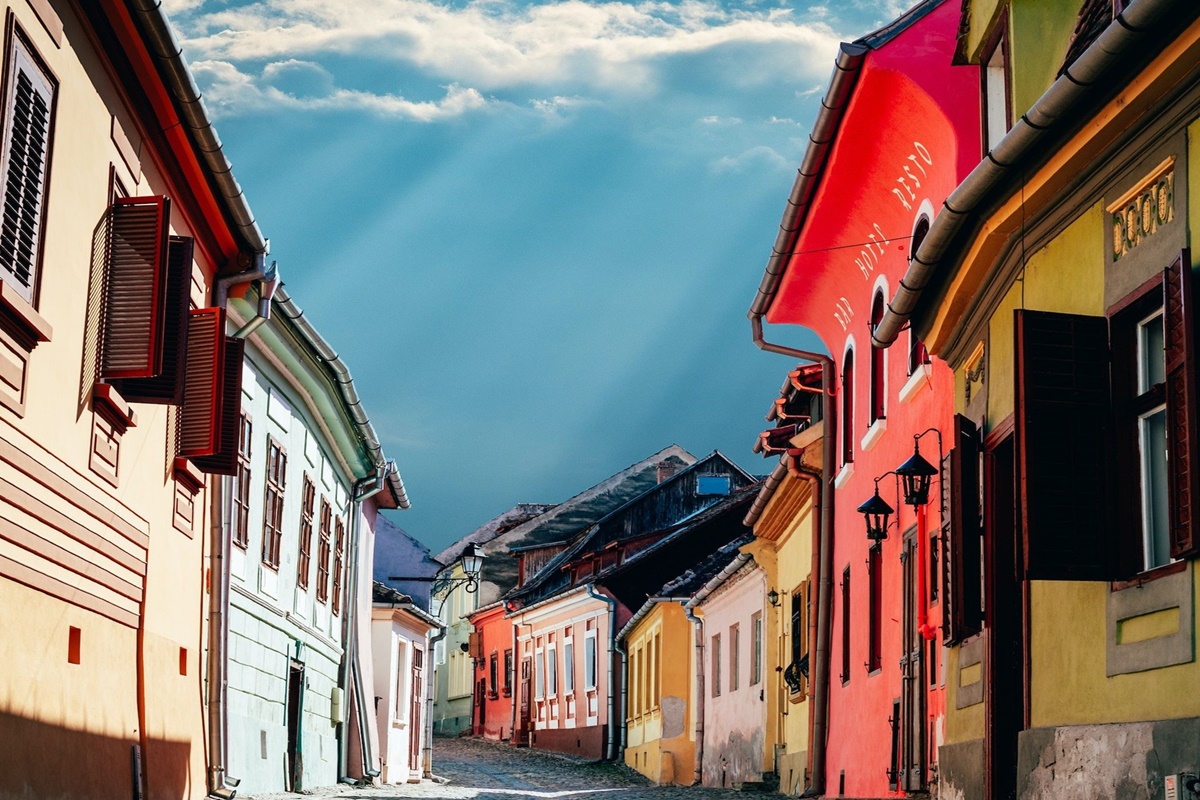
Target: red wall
point(497, 633)
point(910, 134)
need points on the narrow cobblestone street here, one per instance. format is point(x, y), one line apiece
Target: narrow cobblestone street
point(488, 771)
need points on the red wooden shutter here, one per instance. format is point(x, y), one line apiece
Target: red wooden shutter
point(1182, 447)
point(136, 301)
point(225, 460)
point(962, 615)
point(167, 386)
point(1064, 437)
point(199, 419)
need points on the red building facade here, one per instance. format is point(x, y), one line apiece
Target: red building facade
point(493, 650)
point(899, 130)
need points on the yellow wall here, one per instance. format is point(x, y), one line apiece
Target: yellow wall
point(670, 758)
point(1039, 33)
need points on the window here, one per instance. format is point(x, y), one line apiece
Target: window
point(846, 626)
point(996, 93)
point(712, 485)
point(324, 534)
point(569, 666)
point(756, 648)
point(273, 505)
point(552, 670)
point(241, 485)
point(848, 407)
point(24, 170)
point(796, 673)
point(917, 354)
point(539, 674)
point(339, 555)
point(400, 712)
point(508, 672)
point(735, 637)
point(875, 601)
point(656, 676)
point(308, 508)
point(589, 660)
point(962, 563)
point(878, 395)
point(716, 665)
point(493, 670)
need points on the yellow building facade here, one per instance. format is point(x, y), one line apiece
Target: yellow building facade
point(1063, 303)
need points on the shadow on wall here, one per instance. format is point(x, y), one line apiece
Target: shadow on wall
point(51, 762)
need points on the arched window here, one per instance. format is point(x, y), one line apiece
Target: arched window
point(848, 407)
point(917, 354)
point(877, 388)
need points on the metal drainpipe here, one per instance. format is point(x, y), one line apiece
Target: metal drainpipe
point(218, 632)
point(698, 633)
point(621, 707)
point(610, 746)
point(427, 750)
point(512, 730)
point(820, 667)
point(814, 477)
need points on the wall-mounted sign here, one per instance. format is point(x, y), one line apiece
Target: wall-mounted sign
point(1139, 213)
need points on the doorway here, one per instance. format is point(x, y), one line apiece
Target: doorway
point(295, 728)
point(416, 728)
point(913, 719)
point(1005, 596)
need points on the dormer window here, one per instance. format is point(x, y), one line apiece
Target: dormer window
point(709, 485)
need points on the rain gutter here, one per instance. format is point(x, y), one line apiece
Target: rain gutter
point(1128, 38)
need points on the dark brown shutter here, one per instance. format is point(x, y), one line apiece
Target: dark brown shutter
point(1180, 348)
point(136, 300)
point(167, 386)
point(962, 615)
point(199, 419)
point(1064, 438)
point(225, 460)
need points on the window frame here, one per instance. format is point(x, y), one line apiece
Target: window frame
point(715, 647)
point(339, 558)
point(998, 41)
point(241, 483)
point(274, 499)
point(848, 406)
point(308, 510)
point(324, 535)
point(878, 383)
point(875, 608)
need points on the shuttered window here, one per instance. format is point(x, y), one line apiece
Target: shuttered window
point(1179, 353)
point(241, 487)
point(24, 169)
point(962, 614)
point(135, 306)
point(273, 504)
point(1065, 439)
point(224, 460)
point(848, 408)
point(323, 551)
point(200, 417)
point(339, 558)
point(128, 326)
point(878, 396)
point(308, 509)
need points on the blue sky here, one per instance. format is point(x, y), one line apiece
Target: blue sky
point(532, 229)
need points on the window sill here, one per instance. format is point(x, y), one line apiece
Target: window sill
point(874, 434)
point(916, 382)
point(20, 317)
point(1174, 568)
point(843, 475)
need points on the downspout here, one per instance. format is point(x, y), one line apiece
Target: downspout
point(698, 636)
point(218, 636)
point(623, 705)
point(1055, 113)
point(689, 609)
point(514, 696)
point(820, 665)
point(427, 750)
point(611, 745)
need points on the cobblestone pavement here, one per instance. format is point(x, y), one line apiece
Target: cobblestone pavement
point(481, 770)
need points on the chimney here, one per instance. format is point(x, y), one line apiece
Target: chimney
point(666, 469)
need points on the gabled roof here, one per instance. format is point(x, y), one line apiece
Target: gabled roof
point(562, 521)
point(596, 536)
point(517, 515)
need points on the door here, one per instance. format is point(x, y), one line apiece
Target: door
point(295, 728)
point(526, 693)
point(1004, 615)
point(416, 727)
point(913, 719)
point(480, 705)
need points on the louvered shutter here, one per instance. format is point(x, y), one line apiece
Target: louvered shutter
point(167, 386)
point(225, 460)
point(26, 147)
point(199, 419)
point(963, 612)
point(1064, 436)
point(136, 301)
point(1182, 448)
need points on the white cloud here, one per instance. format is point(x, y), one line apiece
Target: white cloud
point(227, 89)
point(761, 157)
point(810, 91)
point(498, 44)
point(782, 121)
point(721, 120)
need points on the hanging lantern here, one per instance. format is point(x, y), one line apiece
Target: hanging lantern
point(876, 512)
point(916, 474)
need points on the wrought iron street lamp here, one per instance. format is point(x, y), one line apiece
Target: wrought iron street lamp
point(916, 473)
point(472, 564)
point(876, 512)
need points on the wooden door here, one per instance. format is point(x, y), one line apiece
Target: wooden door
point(526, 694)
point(416, 728)
point(913, 718)
point(295, 717)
